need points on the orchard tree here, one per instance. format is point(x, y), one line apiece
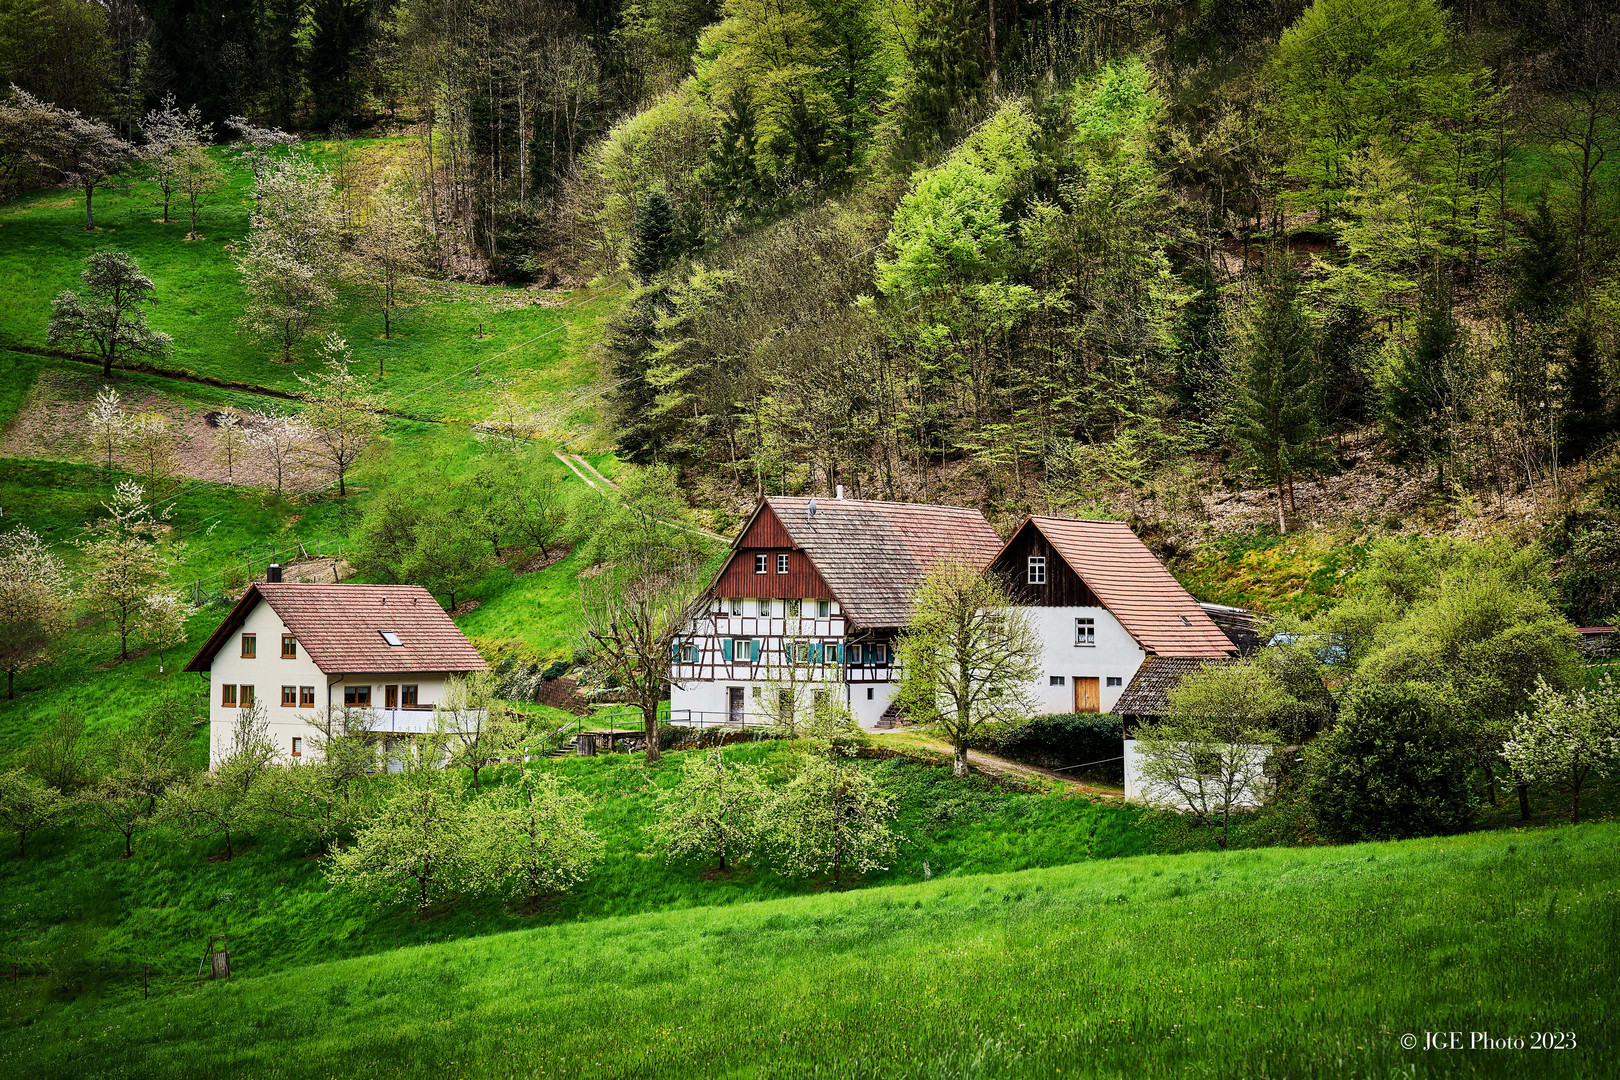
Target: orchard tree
point(230, 442)
point(512, 421)
point(535, 838)
point(715, 812)
point(446, 555)
point(1207, 757)
point(27, 805)
point(34, 594)
point(135, 766)
point(107, 424)
point(83, 151)
point(109, 319)
point(149, 449)
point(293, 257)
point(258, 149)
point(130, 560)
point(280, 440)
point(967, 656)
point(393, 243)
point(478, 728)
point(169, 134)
point(200, 178)
point(833, 818)
point(341, 413)
point(1567, 739)
point(417, 849)
point(224, 803)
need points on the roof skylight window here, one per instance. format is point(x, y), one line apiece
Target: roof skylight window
point(390, 637)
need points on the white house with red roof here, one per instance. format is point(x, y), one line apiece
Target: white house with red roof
point(809, 603)
point(300, 650)
point(1103, 605)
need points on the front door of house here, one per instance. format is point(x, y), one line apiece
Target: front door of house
point(1086, 698)
point(391, 696)
point(734, 703)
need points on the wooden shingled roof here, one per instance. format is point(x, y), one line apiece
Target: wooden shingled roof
point(1135, 587)
point(873, 555)
point(340, 628)
point(1149, 691)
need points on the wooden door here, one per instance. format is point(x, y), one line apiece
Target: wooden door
point(391, 697)
point(734, 702)
point(1086, 698)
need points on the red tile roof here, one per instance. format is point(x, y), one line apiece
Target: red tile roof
point(340, 627)
point(1135, 587)
point(873, 555)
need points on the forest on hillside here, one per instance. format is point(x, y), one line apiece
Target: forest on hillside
point(1101, 258)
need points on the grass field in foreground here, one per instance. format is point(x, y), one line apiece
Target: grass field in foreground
point(1270, 963)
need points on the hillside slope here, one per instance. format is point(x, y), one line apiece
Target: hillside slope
point(1259, 963)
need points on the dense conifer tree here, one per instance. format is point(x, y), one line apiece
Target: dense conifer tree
point(1421, 392)
point(655, 234)
point(1587, 418)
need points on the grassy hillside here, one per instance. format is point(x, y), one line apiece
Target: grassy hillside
point(81, 913)
point(1264, 963)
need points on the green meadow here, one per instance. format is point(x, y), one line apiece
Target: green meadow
point(1268, 963)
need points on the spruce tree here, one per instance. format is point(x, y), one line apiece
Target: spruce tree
point(1586, 420)
point(733, 170)
point(1200, 367)
point(631, 340)
point(1541, 275)
point(1277, 396)
point(1421, 399)
point(948, 64)
point(1343, 349)
point(653, 244)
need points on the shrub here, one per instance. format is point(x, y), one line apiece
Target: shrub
point(1391, 769)
point(1053, 742)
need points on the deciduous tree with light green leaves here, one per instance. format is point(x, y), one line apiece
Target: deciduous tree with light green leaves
point(109, 320)
point(717, 811)
point(27, 805)
point(967, 657)
point(340, 413)
point(833, 818)
point(535, 838)
point(1567, 738)
point(418, 849)
point(34, 594)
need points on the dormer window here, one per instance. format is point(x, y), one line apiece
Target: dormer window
point(781, 564)
point(761, 564)
point(390, 637)
point(1037, 570)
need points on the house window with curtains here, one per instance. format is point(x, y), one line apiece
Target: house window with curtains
point(250, 646)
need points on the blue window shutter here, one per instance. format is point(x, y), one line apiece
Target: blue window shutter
point(815, 652)
point(753, 649)
point(725, 649)
point(674, 650)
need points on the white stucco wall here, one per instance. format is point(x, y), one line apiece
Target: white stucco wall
point(1115, 655)
point(268, 672)
point(1138, 791)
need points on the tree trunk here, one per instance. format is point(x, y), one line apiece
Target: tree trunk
point(89, 213)
point(649, 726)
point(1282, 517)
point(1524, 801)
point(959, 763)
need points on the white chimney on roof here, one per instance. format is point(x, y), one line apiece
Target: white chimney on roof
point(840, 492)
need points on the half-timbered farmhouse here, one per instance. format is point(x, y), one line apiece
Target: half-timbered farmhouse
point(1103, 604)
point(809, 602)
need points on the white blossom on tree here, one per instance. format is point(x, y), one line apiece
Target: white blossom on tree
point(109, 319)
point(34, 595)
point(130, 557)
point(293, 257)
point(107, 424)
point(1567, 739)
point(279, 440)
point(161, 622)
point(84, 152)
point(833, 818)
point(392, 243)
point(170, 134)
point(340, 411)
point(230, 442)
point(534, 838)
point(257, 149)
point(715, 812)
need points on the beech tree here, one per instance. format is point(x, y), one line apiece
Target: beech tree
point(1568, 738)
point(967, 656)
point(715, 812)
point(109, 318)
point(130, 560)
point(341, 413)
point(34, 595)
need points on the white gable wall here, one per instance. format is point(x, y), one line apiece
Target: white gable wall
point(268, 672)
point(1115, 655)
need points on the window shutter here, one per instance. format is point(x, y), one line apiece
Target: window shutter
point(725, 649)
point(675, 650)
point(753, 649)
point(815, 652)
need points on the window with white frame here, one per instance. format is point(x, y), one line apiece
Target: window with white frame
point(1115, 680)
point(1054, 680)
point(736, 605)
point(781, 564)
point(764, 608)
point(1037, 570)
point(795, 609)
point(823, 609)
point(760, 564)
point(1085, 631)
